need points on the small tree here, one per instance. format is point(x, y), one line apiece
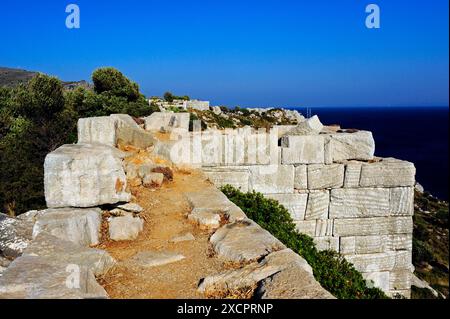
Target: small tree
point(169, 97)
point(112, 82)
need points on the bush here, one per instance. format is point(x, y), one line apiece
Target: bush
point(331, 270)
point(112, 82)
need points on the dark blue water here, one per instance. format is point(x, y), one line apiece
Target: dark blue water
point(419, 135)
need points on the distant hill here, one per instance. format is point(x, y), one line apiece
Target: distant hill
point(12, 77)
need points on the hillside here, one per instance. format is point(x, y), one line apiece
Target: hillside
point(12, 77)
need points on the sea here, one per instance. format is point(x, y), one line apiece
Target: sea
point(416, 134)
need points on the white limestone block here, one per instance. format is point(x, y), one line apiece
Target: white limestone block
point(310, 126)
point(272, 179)
point(167, 121)
point(388, 261)
point(375, 244)
point(80, 226)
point(359, 145)
point(327, 243)
point(388, 173)
point(352, 174)
point(378, 279)
point(372, 226)
point(300, 177)
point(236, 177)
point(317, 207)
point(359, 202)
point(307, 227)
point(307, 149)
point(84, 175)
point(401, 201)
point(294, 203)
point(322, 176)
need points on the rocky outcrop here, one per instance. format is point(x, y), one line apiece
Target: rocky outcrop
point(15, 236)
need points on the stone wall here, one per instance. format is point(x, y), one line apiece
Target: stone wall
point(336, 190)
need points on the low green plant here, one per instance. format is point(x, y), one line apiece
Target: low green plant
point(330, 269)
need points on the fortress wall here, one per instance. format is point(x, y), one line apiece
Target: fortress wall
point(334, 187)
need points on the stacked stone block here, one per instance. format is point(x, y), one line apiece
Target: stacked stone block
point(345, 198)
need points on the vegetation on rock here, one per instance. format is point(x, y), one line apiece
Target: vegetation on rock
point(430, 243)
point(330, 269)
point(40, 115)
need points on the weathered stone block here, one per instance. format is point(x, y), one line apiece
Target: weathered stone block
point(347, 146)
point(327, 243)
point(129, 133)
point(300, 177)
point(236, 177)
point(167, 121)
point(310, 126)
point(35, 277)
point(307, 149)
point(352, 174)
point(117, 129)
point(393, 260)
point(401, 201)
point(317, 207)
point(388, 173)
point(359, 202)
point(372, 226)
point(324, 227)
point(84, 175)
point(375, 244)
point(307, 227)
point(244, 241)
point(294, 203)
point(125, 227)
point(272, 179)
point(93, 130)
point(68, 253)
point(80, 226)
point(325, 176)
point(400, 279)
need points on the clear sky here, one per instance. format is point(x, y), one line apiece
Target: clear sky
point(238, 52)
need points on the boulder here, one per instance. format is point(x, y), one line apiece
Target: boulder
point(125, 227)
point(311, 126)
point(155, 258)
point(84, 175)
point(77, 225)
point(15, 236)
point(244, 241)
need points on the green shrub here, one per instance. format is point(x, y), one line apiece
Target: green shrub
point(112, 82)
point(331, 270)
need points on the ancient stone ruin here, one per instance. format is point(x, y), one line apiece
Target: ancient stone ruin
point(328, 178)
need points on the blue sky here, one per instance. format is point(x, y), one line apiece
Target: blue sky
point(248, 53)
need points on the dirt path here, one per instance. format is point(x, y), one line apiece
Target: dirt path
point(165, 211)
